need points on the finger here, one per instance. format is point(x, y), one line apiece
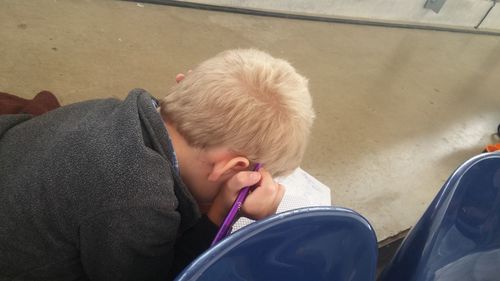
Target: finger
point(242, 179)
point(179, 77)
point(266, 186)
point(263, 195)
point(257, 207)
point(279, 196)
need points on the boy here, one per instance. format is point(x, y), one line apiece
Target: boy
point(111, 190)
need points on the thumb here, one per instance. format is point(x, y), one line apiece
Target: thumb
point(242, 179)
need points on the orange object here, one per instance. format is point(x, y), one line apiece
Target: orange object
point(492, 147)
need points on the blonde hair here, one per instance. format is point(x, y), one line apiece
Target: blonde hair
point(246, 100)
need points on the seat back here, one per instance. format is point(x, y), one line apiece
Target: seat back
point(458, 237)
point(318, 243)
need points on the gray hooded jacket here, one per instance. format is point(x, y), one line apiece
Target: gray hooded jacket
point(88, 192)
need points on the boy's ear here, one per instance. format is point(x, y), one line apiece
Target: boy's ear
point(226, 166)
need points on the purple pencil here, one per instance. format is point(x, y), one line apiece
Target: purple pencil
point(233, 212)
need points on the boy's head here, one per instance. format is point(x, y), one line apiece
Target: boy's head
point(256, 106)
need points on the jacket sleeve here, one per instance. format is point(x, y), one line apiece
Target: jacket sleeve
point(131, 244)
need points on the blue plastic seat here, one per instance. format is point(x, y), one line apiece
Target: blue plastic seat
point(319, 243)
point(458, 237)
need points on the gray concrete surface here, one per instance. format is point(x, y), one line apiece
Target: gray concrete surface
point(454, 13)
point(398, 110)
point(492, 21)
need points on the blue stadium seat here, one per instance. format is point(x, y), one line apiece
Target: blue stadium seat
point(458, 237)
point(318, 243)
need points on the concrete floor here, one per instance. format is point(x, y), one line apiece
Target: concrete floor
point(398, 110)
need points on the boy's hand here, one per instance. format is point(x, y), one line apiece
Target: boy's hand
point(263, 201)
point(260, 203)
